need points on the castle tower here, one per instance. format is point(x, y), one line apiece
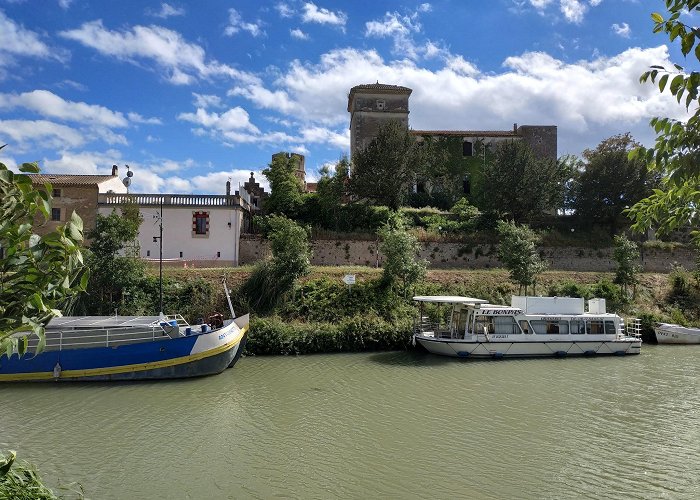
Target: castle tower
point(300, 171)
point(372, 105)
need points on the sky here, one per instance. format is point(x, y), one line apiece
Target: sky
point(192, 94)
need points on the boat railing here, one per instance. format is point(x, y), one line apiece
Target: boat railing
point(423, 326)
point(632, 328)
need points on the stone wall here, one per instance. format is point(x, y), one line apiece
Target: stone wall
point(459, 255)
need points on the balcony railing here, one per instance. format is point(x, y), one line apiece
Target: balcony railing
point(180, 200)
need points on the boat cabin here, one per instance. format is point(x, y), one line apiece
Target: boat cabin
point(464, 318)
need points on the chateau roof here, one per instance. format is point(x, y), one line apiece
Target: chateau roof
point(70, 180)
point(466, 133)
point(381, 88)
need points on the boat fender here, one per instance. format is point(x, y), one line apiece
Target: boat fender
point(619, 353)
point(188, 331)
point(57, 370)
point(560, 354)
point(498, 355)
point(205, 327)
point(463, 354)
point(589, 353)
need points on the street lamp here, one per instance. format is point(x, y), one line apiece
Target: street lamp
point(159, 239)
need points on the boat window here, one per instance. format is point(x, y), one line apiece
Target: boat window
point(483, 324)
point(595, 327)
point(539, 327)
point(578, 327)
point(563, 327)
point(610, 328)
point(505, 325)
point(525, 326)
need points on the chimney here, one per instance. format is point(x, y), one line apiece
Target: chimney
point(515, 128)
point(228, 188)
point(115, 170)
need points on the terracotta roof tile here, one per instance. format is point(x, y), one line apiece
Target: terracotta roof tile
point(69, 180)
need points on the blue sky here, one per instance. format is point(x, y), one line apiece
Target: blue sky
point(190, 94)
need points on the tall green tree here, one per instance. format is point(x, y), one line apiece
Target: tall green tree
point(384, 171)
point(38, 274)
point(272, 279)
point(400, 249)
point(626, 254)
point(676, 153)
point(285, 187)
point(116, 270)
point(517, 250)
point(331, 190)
point(522, 185)
point(610, 181)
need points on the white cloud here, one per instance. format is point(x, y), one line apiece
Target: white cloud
point(425, 7)
point(235, 119)
point(167, 10)
point(298, 34)
point(16, 40)
point(22, 134)
point(574, 11)
point(182, 62)
point(50, 105)
point(236, 24)
point(207, 101)
point(284, 9)
point(622, 30)
point(65, 4)
point(314, 14)
point(137, 118)
point(402, 28)
point(83, 162)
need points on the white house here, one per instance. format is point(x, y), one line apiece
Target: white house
point(197, 229)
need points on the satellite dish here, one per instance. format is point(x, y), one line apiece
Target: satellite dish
point(127, 181)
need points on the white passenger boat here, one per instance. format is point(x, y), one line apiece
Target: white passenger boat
point(667, 333)
point(529, 327)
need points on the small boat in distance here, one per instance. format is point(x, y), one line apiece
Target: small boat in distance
point(101, 348)
point(667, 333)
point(529, 327)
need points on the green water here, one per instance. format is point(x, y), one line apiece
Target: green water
point(385, 425)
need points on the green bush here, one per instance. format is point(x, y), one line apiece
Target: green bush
point(679, 279)
point(570, 289)
point(275, 335)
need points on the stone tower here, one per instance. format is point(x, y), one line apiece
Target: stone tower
point(372, 105)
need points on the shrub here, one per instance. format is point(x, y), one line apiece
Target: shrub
point(679, 279)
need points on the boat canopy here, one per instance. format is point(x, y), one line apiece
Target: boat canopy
point(448, 299)
point(102, 321)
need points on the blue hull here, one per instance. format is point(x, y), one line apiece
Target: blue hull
point(163, 358)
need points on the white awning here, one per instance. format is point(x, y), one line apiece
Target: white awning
point(448, 299)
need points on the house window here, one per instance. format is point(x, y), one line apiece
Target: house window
point(200, 224)
point(56, 193)
point(148, 253)
point(381, 104)
point(218, 254)
point(180, 254)
point(467, 148)
point(56, 214)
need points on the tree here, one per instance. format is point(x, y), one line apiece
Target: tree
point(331, 190)
point(610, 181)
point(38, 274)
point(626, 254)
point(291, 259)
point(400, 248)
point(521, 185)
point(518, 252)
point(676, 153)
point(285, 187)
point(389, 165)
point(116, 270)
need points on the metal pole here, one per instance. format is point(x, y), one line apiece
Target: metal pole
point(160, 260)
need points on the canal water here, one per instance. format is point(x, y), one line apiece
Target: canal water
point(383, 425)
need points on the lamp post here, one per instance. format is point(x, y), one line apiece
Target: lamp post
point(159, 238)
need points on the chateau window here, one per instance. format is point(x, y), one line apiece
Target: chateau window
point(381, 104)
point(56, 214)
point(56, 193)
point(467, 148)
point(200, 224)
point(466, 185)
point(420, 187)
point(148, 253)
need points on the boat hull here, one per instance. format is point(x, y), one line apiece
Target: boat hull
point(533, 349)
point(165, 358)
point(675, 334)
